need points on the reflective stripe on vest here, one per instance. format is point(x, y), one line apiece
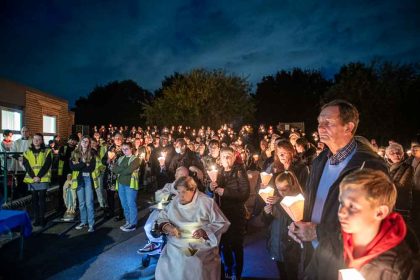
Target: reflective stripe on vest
point(36, 163)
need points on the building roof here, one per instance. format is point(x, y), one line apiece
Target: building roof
point(24, 88)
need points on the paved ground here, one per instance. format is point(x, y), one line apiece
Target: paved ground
point(61, 252)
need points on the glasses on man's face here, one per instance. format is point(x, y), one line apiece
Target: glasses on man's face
point(125, 149)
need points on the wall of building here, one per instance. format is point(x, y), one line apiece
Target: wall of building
point(12, 95)
point(38, 105)
point(34, 105)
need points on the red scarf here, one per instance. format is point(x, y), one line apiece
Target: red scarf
point(391, 233)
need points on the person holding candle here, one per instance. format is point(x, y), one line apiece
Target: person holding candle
point(164, 194)
point(158, 167)
point(111, 156)
point(283, 250)
point(337, 125)
point(187, 158)
point(194, 224)
point(231, 190)
point(140, 151)
point(213, 158)
point(284, 160)
point(184, 157)
point(373, 237)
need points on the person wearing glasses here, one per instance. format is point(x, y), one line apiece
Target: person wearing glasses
point(127, 168)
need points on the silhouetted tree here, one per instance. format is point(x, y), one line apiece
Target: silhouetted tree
point(202, 97)
point(167, 81)
point(119, 103)
point(387, 96)
point(290, 96)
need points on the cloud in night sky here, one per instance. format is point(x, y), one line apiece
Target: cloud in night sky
point(68, 47)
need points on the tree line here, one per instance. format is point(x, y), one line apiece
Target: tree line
point(386, 94)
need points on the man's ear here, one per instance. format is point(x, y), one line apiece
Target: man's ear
point(382, 212)
point(350, 127)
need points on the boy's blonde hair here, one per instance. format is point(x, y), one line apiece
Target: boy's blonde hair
point(378, 186)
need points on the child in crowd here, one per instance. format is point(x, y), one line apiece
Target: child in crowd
point(373, 236)
point(281, 247)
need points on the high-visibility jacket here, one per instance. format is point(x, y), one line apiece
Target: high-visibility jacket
point(61, 163)
point(75, 175)
point(75, 183)
point(99, 167)
point(36, 162)
point(134, 180)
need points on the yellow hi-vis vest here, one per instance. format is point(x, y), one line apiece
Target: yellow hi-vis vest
point(36, 162)
point(134, 181)
point(93, 174)
point(61, 163)
point(75, 184)
point(99, 167)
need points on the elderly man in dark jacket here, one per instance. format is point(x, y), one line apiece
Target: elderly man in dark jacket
point(337, 124)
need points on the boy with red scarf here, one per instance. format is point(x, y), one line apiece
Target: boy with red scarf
point(372, 235)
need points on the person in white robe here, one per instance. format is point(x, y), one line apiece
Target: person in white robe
point(194, 224)
point(162, 196)
point(21, 145)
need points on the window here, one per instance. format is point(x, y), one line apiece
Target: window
point(49, 127)
point(11, 119)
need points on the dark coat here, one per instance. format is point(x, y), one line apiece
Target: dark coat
point(232, 202)
point(280, 246)
point(329, 225)
point(402, 175)
point(308, 156)
point(399, 263)
point(64, 154)
point(187, 159)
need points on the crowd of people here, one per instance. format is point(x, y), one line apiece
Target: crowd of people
point(361, 209)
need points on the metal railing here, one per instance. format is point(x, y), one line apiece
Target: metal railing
point(4, 158)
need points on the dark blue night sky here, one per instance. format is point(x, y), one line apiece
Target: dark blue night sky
point(66, 48)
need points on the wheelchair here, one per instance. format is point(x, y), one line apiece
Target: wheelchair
point(147, 257)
